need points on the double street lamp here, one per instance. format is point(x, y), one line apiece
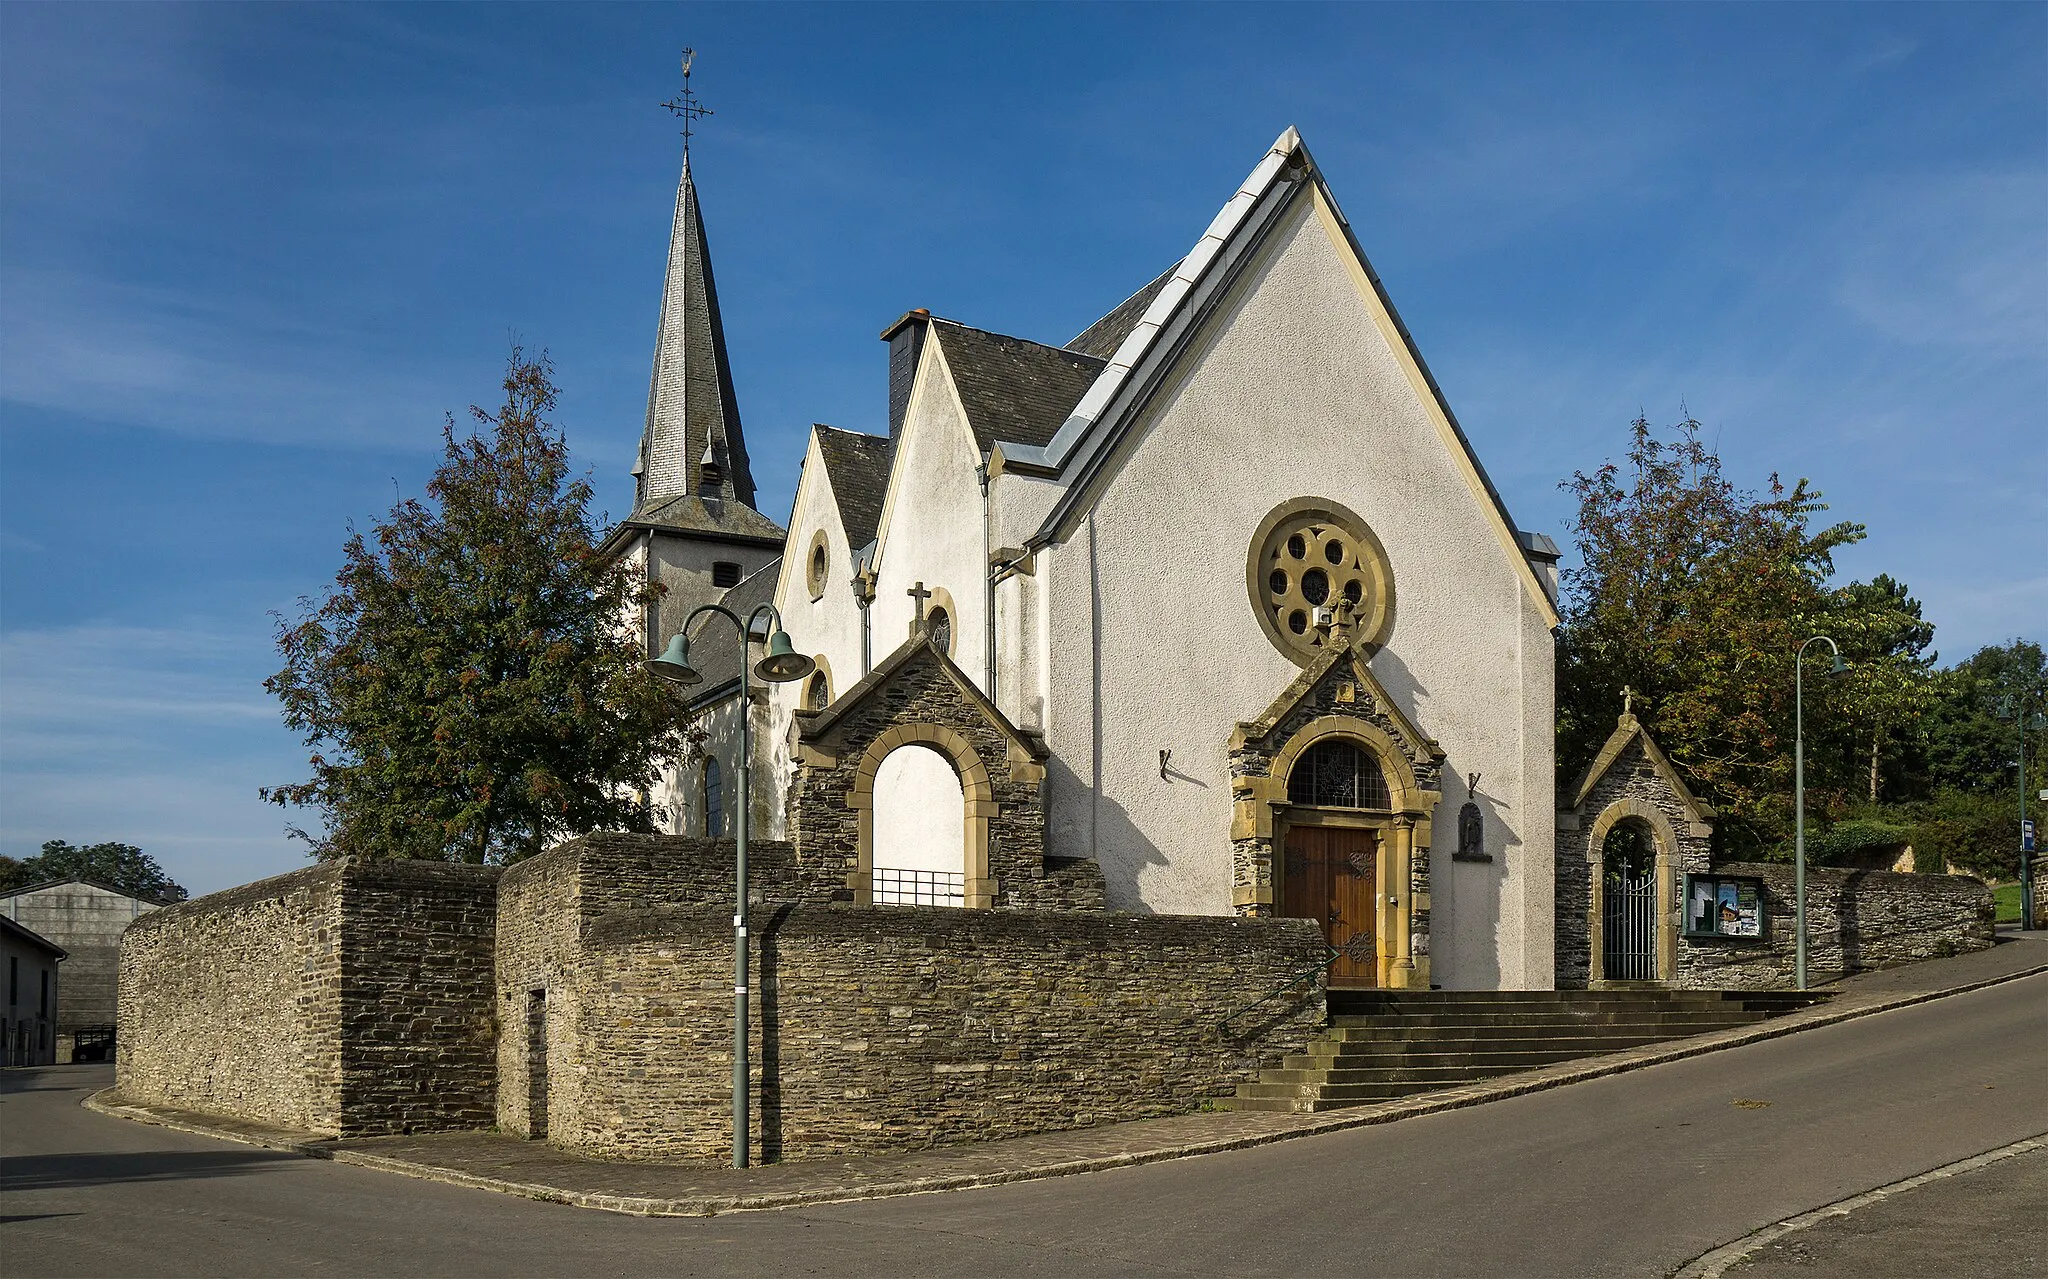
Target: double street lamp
point(781, 665)
point(1799, 799)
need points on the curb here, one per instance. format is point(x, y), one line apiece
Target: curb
point(1541, 1080)
point(1713, 1265)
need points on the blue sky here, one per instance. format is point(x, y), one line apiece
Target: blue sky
point(249, 256)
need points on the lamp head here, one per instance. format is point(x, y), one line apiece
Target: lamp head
point(783, 662)
point(1840, 667)
point(674, 663)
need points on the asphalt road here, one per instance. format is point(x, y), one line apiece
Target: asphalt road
point(1632, 1175)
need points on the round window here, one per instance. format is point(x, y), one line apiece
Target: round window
point(815, 569)
point(1307, 556)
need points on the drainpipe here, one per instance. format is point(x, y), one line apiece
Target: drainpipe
point(864, 595)
point(988, 596)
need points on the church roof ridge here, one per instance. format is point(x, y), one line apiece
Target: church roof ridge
point(1102, 338)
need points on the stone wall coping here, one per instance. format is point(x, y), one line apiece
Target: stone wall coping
point(1843, 874)
point(653, 924)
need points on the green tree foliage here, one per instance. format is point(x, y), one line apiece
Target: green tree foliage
point(1697, 594)
point(1968, 747)
point(1887, 690)
point(470, 685)
point(122, 866)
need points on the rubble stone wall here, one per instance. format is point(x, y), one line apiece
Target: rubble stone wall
point(351, 998)
point(1855, 920)
point(878, 1028)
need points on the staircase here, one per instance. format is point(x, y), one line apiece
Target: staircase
point(1383, 1043)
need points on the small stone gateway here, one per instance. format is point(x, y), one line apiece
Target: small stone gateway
point(1641, 902)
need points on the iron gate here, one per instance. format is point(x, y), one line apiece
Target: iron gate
point(1628, 920)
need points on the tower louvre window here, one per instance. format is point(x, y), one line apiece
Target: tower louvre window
point(725, 573)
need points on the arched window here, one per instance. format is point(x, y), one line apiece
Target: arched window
point(817, 693)
point(1337, 773)
point(714, 800)
point(941, 627)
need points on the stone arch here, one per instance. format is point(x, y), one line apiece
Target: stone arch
point(1664, 844)
point(1402, 789)
point(977, 793)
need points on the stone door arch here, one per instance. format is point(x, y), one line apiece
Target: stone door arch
point(977, 796)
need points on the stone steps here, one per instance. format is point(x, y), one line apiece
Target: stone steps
point(1385, 1044)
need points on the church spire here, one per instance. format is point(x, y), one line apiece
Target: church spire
point(692, 446)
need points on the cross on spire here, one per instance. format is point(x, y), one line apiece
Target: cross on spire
point(685, 105)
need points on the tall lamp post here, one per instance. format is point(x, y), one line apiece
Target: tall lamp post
point(1799, 800)
point(781, 665)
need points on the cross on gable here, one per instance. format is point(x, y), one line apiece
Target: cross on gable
point(919, 594)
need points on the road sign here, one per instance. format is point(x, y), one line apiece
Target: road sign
point(2027, 835)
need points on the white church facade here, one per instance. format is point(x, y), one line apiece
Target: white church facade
point(1223, 568)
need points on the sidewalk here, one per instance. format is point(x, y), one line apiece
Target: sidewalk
point(494, 1161)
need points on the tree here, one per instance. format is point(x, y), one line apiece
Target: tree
point(122, 866)
point(1697, 594)
point(470, 685)
point(1888, 688)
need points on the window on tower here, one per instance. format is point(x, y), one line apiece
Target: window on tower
point(725, 573)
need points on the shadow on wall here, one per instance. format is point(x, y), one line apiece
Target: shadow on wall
point(1467, 958)
point(1406, 691)
point(1120, 848)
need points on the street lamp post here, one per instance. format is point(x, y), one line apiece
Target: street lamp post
point(1799, 801)
point(781, 665)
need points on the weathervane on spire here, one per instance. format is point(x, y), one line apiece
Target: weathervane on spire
point(685, 105)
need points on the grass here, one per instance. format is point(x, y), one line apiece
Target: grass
point(2006, 898)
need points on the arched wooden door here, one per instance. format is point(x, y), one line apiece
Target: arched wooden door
point(1329, 877)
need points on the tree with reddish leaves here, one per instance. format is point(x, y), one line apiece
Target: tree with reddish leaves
point(1697, 594)
point(470, 685)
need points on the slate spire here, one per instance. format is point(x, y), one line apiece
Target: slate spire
point(692, 446)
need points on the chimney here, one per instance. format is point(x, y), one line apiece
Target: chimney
point(906, 344)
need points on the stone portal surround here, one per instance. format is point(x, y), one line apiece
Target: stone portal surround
point(1337, 696)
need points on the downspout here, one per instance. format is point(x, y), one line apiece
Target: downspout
point(988, 597)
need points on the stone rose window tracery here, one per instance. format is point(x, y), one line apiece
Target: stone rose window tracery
point(1306, 555)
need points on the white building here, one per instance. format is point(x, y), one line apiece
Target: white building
point(1227, 553)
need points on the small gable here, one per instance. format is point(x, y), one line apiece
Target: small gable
point(1630, 754)
point(917, 697)
point(1339, 683)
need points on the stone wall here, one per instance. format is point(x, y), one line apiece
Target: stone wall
point(350, 998)
point(1855, 920)
point(545, 906)
point(892, 1027)
point(231, 1003)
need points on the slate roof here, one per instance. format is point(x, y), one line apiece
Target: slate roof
point(1102, 338)
point(691, 409)
point(712, 648)
point(694, 515)
point(858, 467)
point(1014, 390)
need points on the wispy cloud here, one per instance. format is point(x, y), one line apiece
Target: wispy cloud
point(203, 366)
point(156, 736)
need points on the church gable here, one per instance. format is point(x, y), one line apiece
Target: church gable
point(1284, 196)
point(1338, 686)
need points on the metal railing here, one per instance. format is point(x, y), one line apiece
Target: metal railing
point(892, 887)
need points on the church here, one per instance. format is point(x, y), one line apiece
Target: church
point(1222, 573)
